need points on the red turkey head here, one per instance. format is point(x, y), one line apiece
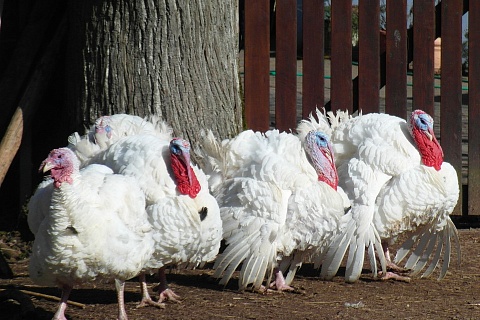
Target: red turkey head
point(318, 147)
point(61, 163)
point(102, 126)
point(186, 179)
point(421, 129)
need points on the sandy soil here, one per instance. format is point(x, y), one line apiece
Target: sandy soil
point(455, 297)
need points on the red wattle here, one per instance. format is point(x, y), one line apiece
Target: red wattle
point(430, 150)
point(181, 176)
point(333, 184)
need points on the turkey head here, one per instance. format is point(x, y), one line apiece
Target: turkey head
point(320, 151)
point(421, 129)
point(186, 179)
point(62, 163)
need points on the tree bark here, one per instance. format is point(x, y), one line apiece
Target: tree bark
point(176, 59)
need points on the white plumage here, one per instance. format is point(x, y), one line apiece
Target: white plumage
point(394, 174)
point(39, 204)
point(184, 216)
point(108, 129)
point(276, 213)
point(91, 225)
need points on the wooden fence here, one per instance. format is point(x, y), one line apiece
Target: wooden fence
point(380, 64)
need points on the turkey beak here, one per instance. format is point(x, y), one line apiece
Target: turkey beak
point(328, 154)
point(186, 160)
point(332, 157)
point(46, 166)
point(429, 134)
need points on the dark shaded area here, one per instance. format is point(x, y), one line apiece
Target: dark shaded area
point(27, 30)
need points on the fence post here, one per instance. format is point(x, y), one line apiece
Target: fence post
point(396, 59)
point(369, 56)
point(474, 108)
point(341, 57)
point(423, 69)
point(313, 56)
point(286, 65)
point(257, 64)
point(451, 88)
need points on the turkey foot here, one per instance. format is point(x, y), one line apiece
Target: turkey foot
point(146, 299)
point(149, 302)
point(169, 295)
point(396, 272)
point(390, 264)
point(60, 314)
point(165, 293)
point(394, 268)
point(278, 285)
point(393, 276)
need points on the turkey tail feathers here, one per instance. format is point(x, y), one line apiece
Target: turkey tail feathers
point(294, 265)
point(254, 267)
point(356, 243)
point(227, 262)
point(335, 253)
point(426, 246)
point(212, 159)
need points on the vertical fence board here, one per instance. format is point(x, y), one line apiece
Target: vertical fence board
point(369, 56)
point(396, 59)
point(257, 64)
point(341, 60)
point(286, 65)
point(474, 108)
point(313, 53)
point(423, 63)
point(451, 87)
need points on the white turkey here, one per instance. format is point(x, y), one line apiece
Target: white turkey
point(94, 228)
point(39, 204)
point(278, 202)
point(187, 228)
point(108, 129)
point(394, 173)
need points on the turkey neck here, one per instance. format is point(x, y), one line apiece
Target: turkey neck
point(324, 165)
point(429, 148)
point(187, 182)
point(62, 175)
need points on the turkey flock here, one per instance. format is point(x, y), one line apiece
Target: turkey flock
point(125, 200)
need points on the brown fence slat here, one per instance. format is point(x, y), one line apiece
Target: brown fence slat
point(396, 59)
point(257, 64)
point(423, 63)
point(341, 58)
point(286, 65)
point(474, 108)
point(313, 53)
point(451, 87)
point(369, 56)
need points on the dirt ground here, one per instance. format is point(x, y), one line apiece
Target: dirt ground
point(455, 297)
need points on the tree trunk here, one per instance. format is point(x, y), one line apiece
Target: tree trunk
point(176, 59)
